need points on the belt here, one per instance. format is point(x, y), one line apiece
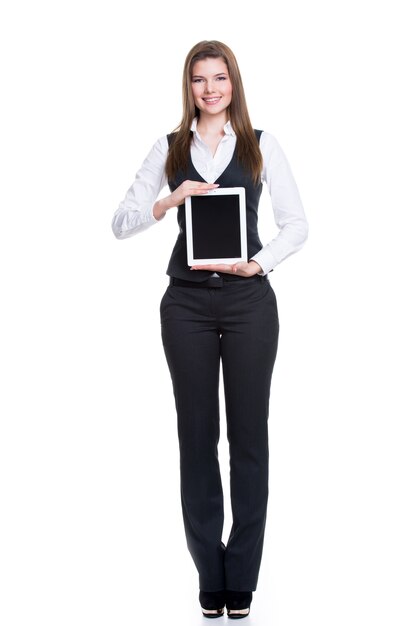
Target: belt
point(212, 282)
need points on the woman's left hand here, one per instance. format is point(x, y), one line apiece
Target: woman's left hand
point(240, 269)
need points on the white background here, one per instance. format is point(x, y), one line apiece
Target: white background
point(91, 528)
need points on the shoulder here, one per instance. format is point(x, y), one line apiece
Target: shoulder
point(162, 143)
point(268, 140)
point(270, 147)
point(172, 136)
point(159, 149)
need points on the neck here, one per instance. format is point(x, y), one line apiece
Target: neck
point(212, 124)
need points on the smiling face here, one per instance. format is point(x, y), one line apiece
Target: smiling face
point(211, 86)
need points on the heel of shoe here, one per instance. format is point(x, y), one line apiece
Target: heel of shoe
point(212, 603)
point(238, 613)
point(238, 604)
point(212, 613)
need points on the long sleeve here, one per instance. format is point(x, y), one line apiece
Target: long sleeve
point(287, 206)
point(134, 213)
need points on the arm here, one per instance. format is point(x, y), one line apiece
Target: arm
point(287, 206)
point(288, 214)
point(135, 213)
point(140, 209)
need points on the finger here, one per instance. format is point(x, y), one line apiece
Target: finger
point(218, 267)
point(197, 183)
point(203, 186)
point(197, 192)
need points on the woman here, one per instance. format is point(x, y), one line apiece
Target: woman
point(222, 312)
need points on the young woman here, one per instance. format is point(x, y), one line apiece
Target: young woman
point(219, 312)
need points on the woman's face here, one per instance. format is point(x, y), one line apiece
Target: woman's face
point(211, 86)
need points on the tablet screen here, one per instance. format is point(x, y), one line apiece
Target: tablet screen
point(216, 227)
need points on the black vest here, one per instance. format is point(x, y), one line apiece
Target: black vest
point(233, 176)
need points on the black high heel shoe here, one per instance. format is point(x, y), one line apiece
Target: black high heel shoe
point(238, 603)
point(212, 603)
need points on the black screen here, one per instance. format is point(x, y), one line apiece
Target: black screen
point(216, 227)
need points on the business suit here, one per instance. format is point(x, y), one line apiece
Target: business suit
point(233, 320)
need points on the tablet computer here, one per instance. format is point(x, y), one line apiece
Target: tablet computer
point(216, 227)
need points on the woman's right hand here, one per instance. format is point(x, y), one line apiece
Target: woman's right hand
point(188, 188)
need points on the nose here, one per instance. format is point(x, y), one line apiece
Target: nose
point(209, 87)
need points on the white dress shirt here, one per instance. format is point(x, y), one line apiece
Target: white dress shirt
point(135, 212)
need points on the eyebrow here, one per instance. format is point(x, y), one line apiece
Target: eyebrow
point(219, 74)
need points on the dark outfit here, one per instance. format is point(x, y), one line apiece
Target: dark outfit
point(205, 320)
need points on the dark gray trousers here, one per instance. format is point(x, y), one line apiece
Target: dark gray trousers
point(237, 323)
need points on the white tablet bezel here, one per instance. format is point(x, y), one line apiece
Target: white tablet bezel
point(224, 191)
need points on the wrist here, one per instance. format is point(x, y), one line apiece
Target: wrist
point(160, 208)
point(255, 267)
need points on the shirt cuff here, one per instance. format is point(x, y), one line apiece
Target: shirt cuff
point(127, 223)
point(265, 260)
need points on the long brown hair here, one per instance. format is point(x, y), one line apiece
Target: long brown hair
point(248, 150)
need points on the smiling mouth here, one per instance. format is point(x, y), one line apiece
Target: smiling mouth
point(212, 100)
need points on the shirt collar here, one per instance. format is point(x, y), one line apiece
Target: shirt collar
point(228, 130)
